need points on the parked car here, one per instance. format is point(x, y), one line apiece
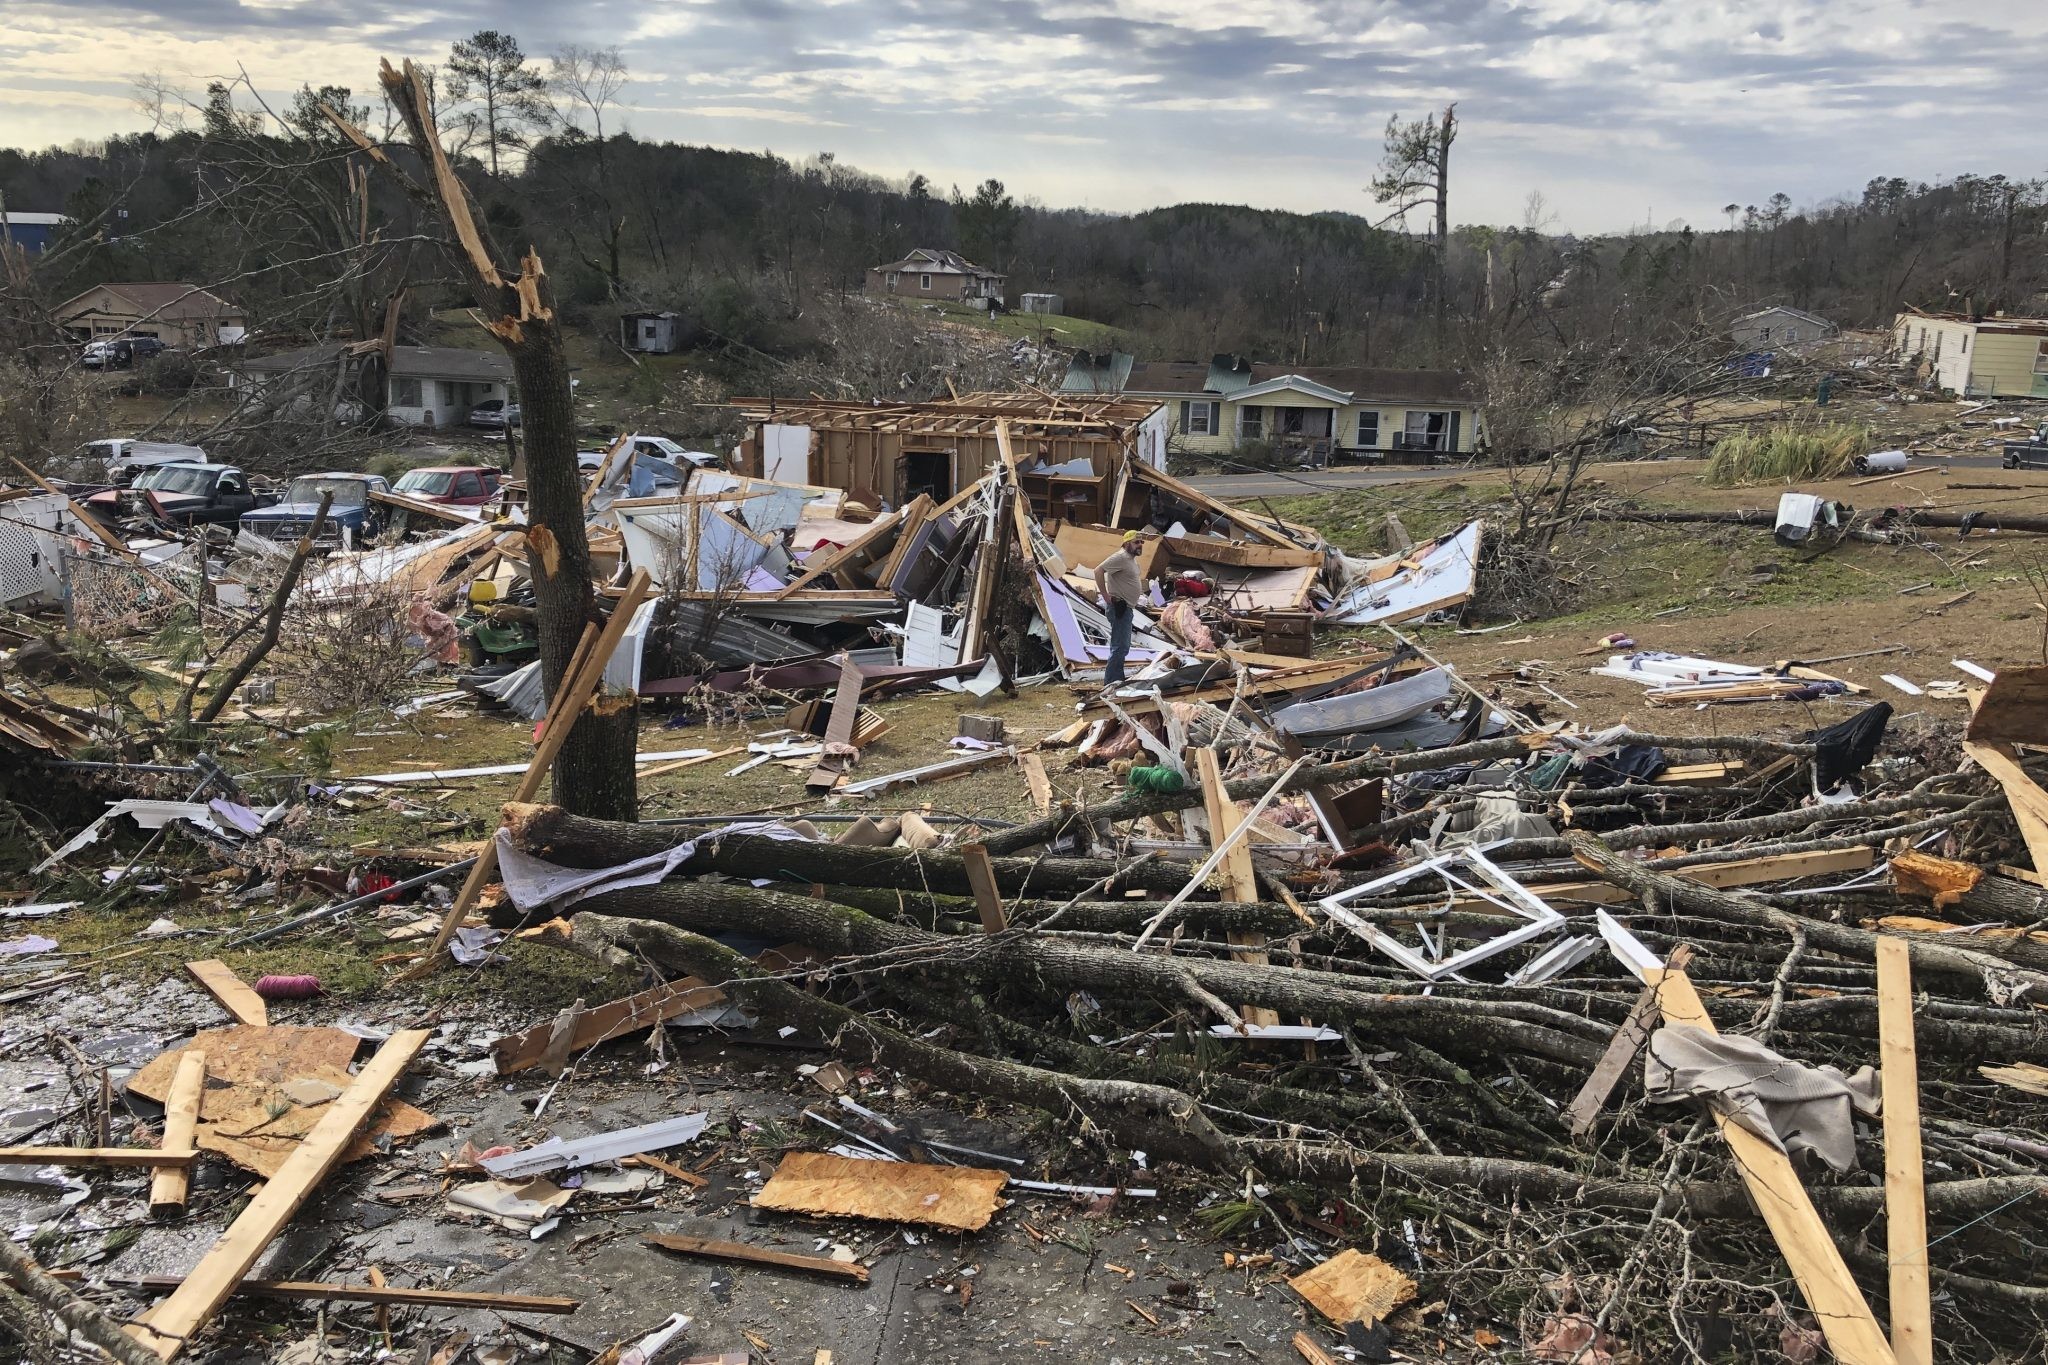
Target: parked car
point(658, 446)
point(120, 353)
point(464, 485)
point(352, 518)
point(182, 495)
point(2031, 453)
point(494, 412)
point(124, 458)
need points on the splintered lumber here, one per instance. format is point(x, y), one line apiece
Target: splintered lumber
point(523, 1051)
point(981, 875)
point(87, 1320)
point(1353, 1286)
point(169, 1326)
point(579, 684)
point(1809, 1249)
point(170, 1184)
point(98, 1156)
point(1241, 882)
point(752, 1255)
point(1580, 1114)
point(1311, 1351)
point(1033, 768)
point(218, 980)
point(386, 1295)
point(2013, 709)
point(2029, 803)
point(956, 1198)
point(839, 729)
point(1905, 1192)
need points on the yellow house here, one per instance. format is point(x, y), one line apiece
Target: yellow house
point(1976, 357)
point(1333, 411)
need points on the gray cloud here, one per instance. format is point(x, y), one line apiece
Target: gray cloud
point(1614, 108)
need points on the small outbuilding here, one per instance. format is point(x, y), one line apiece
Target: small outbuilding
point(651, 333)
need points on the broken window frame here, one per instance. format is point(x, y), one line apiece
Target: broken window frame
point(1499, 889)
point(1434, 432)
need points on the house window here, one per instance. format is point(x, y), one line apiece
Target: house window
point(1369, 430)
point(405, 393)
point(1937, 348)
point(2041, 357)
point(1427, 430)
point(894, 277)
point(924, 282)
point(1764, 334)
point(1251, 422)
point(1198, 419)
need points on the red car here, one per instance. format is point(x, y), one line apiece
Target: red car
point(461, 485)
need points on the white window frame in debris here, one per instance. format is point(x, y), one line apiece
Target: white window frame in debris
point(1485, 880)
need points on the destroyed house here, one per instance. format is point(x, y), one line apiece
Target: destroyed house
point(928, 273)
point(1994, 357)
point(430, 386)
point(1071, 452)
point(1332, 410)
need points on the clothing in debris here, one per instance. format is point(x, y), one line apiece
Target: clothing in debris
point(1792, 1106)
point(1844, 749)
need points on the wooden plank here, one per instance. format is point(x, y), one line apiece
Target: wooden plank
point(1310, 1351)
point(1808, 1247)
point(359, 1293)
point(1239, 554)
point(1746, 872)
point(1621, 1052)
point(232, 993)
point(99, 1156)
point(753, 1255)
point(167, 1327)
point(957, 1198)
point(1905, 1194)
point(2013, 709)
point(1241, 880)
point(1035, 778)
point(1354, 1286)
point(839, 728)
point(981, 876)
point(169, 1185)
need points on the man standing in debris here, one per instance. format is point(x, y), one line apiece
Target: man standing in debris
point(1117, 579)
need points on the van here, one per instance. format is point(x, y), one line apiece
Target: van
point(125, 458)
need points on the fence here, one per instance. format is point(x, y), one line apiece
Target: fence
point(111, 597)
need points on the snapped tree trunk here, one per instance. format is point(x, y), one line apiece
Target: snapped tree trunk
point(594, 773)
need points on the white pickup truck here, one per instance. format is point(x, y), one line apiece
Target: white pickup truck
point(124, 458)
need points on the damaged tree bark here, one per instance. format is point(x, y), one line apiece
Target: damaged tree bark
point(594, 773)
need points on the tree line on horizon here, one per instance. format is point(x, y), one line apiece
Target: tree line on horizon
point(261, 203)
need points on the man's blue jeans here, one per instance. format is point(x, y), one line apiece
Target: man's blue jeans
point(1120, 621)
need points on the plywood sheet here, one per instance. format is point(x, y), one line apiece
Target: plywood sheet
point(247, 1113)
point(957, 1198)
point(1353, 1287)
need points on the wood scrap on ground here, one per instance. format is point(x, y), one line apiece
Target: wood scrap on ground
point(956, 1198)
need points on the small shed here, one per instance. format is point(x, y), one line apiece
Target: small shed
point(1041, 303)
point(655, 333)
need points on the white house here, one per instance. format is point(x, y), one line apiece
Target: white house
point(1976, 357)
point(430, 386)
point(1776, 327)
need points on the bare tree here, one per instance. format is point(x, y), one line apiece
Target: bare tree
point(594, 771)
point(586, 83)
point(1416, 170)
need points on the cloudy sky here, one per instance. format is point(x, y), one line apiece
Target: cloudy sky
point(1618, 111)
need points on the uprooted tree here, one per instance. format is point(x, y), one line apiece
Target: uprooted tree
point(594, 773)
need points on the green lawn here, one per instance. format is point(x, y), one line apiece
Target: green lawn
point(1079, 332)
